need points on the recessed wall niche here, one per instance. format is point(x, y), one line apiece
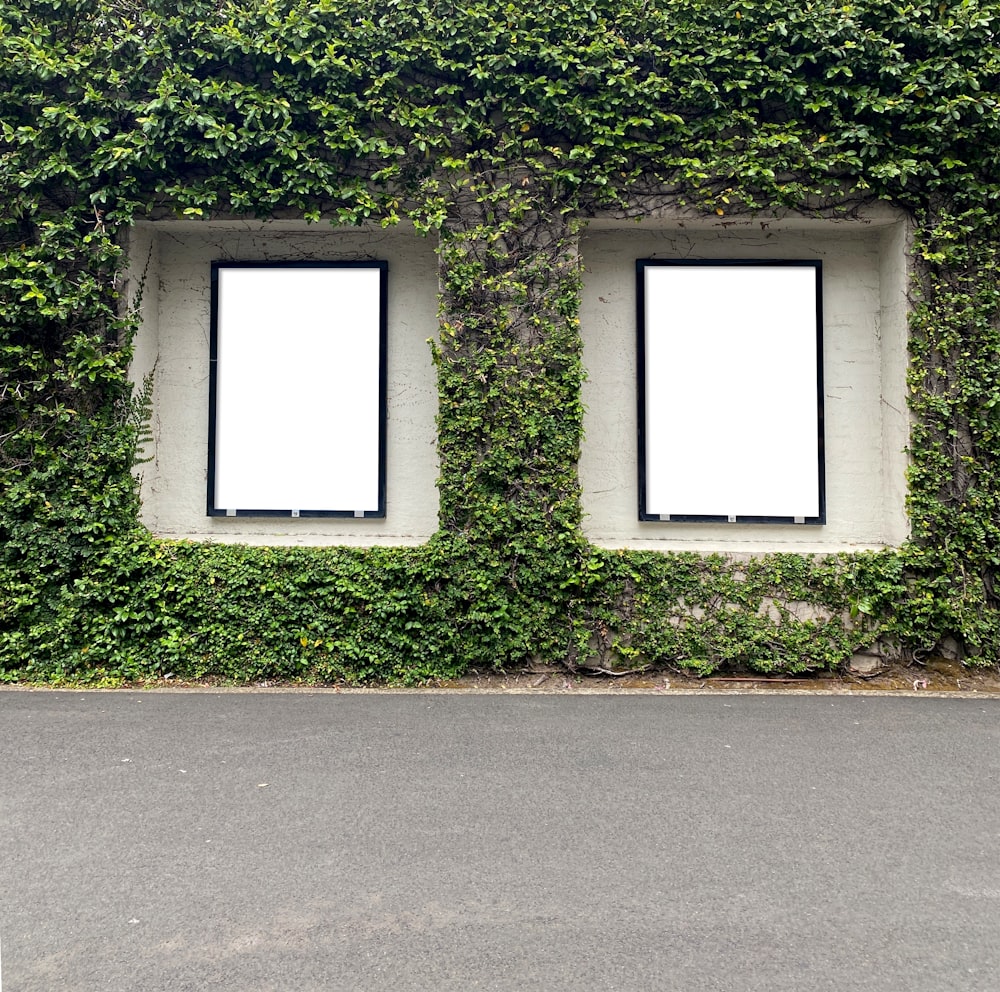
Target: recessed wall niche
point(327, 442)
point(864, 284)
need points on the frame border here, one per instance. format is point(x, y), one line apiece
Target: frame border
point(641, 265)
point(383, 268)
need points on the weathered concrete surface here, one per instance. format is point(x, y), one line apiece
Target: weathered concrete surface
point(865, 285)
point(316, 841)
point(172, 265)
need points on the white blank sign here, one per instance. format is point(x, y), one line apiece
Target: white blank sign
point(730, 413)
point(298, 395)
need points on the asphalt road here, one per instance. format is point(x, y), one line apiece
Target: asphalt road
point(505, 843)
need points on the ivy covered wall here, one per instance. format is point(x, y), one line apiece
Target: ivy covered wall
point(497, 130)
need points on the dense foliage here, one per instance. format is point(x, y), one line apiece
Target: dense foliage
point(498, 129)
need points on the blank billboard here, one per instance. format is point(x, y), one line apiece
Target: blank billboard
point(297, 389)
point(730, 391)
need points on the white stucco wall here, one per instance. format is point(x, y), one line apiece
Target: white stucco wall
point(865, 278)
point(174, 341)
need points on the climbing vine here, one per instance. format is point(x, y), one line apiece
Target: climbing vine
point(498, 130)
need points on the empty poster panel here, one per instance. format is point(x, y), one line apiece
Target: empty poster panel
point(297, 407)
point(730, 391)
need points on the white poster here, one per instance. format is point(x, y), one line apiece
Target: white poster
point(298, 394)
point(730, 391)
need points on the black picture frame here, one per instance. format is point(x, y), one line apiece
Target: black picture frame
point(291, 330)
point(683, 350)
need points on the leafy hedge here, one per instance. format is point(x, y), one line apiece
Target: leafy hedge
point(497, 129)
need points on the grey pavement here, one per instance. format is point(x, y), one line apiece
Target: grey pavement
point(321, 841)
